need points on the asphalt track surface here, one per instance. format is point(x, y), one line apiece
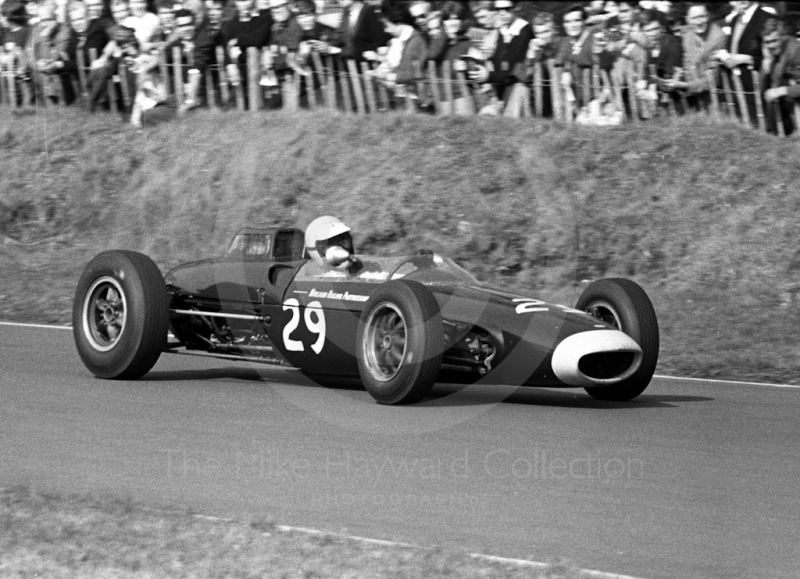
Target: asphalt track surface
point(694, 479)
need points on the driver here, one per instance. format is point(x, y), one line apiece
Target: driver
point(330, 246)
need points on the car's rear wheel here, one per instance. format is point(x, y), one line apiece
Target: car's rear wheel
point(623, 304)
point(120, 315)
point(400, 342)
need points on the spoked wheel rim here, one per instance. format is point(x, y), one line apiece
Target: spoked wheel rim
point(384, 342)
point(104, 314)
point(605, 312)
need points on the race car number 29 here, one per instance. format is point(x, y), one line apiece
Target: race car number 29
point(314, 318)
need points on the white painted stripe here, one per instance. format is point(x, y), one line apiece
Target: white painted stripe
point(732, 382)
point(35, 326)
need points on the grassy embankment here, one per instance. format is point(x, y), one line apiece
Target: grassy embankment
point(703, 215)
point(97, 538)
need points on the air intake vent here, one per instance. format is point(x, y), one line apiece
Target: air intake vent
point(605, 365)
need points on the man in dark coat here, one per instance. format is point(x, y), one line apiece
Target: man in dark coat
point(781, 71)
point(664, 54)
point(361, 30)
point(508, 61)
point(744, 53)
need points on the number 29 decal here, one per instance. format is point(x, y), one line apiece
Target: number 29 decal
point(315, 322)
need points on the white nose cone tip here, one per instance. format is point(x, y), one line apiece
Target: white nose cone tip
point(568, 354)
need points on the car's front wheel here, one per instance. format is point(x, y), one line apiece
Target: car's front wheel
point(120, 315)
point(400, 342)
point(625, 305)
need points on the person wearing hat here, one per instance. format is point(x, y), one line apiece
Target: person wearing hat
point(196, 50)
point(508, 60)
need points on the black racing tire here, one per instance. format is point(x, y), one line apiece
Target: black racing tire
point(120, 315)
point(625, 305)
point(400, 342)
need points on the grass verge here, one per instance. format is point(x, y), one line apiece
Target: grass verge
point(80, 536)
point(700, 213)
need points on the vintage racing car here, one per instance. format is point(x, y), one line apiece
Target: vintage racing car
point(397, 324)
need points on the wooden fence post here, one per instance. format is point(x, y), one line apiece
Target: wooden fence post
point(254, 93)
point(369, 84)
point(730, 107)
point(555, 90)
point(355, 80)
point(3, 78)
point(319, 73)
point(796, 107)
point(586, 89)
point(433, 82)
point(466, 95)
point(177, 76)
point(84, 90)
point(209, 78)
point(447, 77)
point(290, 92)
point(223, 76)
point(711, 75)
point(760, 119)
point(330, 83)
point(123, 83)
point(632, 96)
point(344, 82)
point(538, 89)
point(740, 97)
point(311, 94)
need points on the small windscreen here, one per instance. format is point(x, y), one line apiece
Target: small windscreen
point(289, 245)
point(250, 245)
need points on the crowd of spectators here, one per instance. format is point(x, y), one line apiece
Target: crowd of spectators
point(490, 46)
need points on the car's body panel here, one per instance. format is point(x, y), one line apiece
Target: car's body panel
point(307, 317)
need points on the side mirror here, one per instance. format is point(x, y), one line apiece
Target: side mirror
point(336, 256)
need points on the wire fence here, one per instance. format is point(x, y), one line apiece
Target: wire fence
point(590, 95)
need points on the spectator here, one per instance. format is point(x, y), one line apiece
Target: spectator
point(456, 20)
point(484, 34)
point(215, 9)
point(15, 40)
point(514, 36)
point(145, 25)
point(121, 47)
point(542, 49)
point(360, 31)
point(51, 47)
point(248, 29)
point(314, 37)
point(575, 52)
point(404, 62)
point(196, 49)
point(664, 54)
point(744, 51)
point(166, 20)
point(120, 10)
point(286, 32)
point(429, 22)
point(781, 71)
point(700, 39)
point(97, 31)
point(315, 33)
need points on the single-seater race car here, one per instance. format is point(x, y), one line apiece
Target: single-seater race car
point(396, 324)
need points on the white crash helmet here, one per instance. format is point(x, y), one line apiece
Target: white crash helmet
point(326, 232)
